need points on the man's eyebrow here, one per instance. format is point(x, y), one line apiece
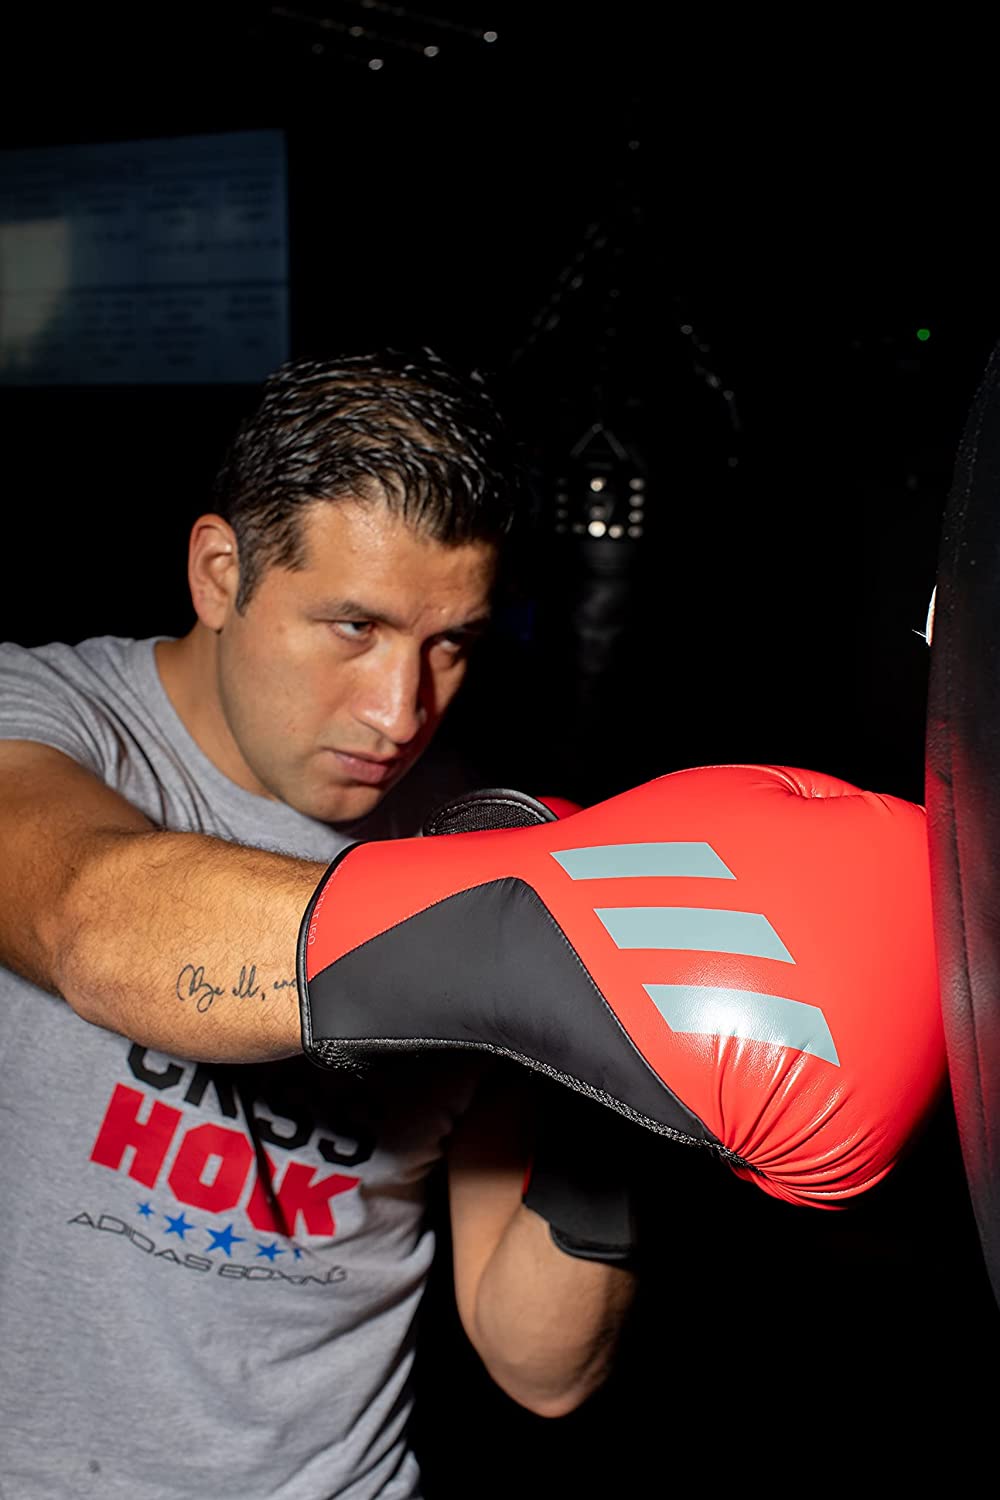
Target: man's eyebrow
point(474, 626)
point(356, 609)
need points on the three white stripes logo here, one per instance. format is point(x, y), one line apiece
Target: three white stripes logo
point(706, 1010)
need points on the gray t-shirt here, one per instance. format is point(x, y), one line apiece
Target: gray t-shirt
point(210, 1274)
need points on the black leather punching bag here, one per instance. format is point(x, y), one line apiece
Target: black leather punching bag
point(963, 800)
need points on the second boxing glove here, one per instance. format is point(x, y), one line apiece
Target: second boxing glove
point(579, 1179)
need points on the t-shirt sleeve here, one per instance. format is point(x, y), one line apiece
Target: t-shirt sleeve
point(43, 698)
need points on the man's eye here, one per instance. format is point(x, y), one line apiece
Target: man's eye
point(454, 645)
point(352, 630)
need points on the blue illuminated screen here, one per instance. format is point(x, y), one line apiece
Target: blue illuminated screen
point(158, 261)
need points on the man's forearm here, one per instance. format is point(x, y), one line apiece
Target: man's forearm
point(182, 942)
point(546, 1324)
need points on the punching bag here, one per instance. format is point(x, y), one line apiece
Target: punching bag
point(963, 801)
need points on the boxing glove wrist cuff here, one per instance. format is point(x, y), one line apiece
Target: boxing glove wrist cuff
point(580, 1180)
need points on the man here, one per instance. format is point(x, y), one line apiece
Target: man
point(216, 1251)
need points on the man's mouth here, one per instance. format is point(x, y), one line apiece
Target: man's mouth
point(368, 769)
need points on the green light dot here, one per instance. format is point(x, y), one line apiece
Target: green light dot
point(923, 334)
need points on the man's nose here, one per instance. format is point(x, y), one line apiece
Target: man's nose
point(391, 701)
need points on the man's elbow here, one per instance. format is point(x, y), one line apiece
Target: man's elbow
point(559, 1405)
point(548, 1396)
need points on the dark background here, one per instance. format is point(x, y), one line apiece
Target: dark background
point(619, 218)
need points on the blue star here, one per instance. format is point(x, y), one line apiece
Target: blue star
point(179, 1226)
point(224, 1239)
point(269, 1250)
point(146, 1210)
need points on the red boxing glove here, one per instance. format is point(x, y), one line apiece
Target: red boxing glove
point(738, 957)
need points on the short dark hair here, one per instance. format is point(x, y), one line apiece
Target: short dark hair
point(403, 427)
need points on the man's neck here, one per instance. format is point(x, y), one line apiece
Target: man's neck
point(188, 670)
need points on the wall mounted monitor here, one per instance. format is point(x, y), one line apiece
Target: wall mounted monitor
point(145, 262)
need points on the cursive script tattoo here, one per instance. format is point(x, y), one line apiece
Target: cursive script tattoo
point(283, 984)
point(192, 985)
point(246, 985)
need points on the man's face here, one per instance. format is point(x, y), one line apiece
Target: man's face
point(335, 677)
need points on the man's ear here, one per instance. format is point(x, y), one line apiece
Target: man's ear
point(213, 570)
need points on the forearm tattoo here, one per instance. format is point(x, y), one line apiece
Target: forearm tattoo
point(193, 983)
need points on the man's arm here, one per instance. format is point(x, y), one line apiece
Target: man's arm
point(545, 1324)
point(179, 941)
